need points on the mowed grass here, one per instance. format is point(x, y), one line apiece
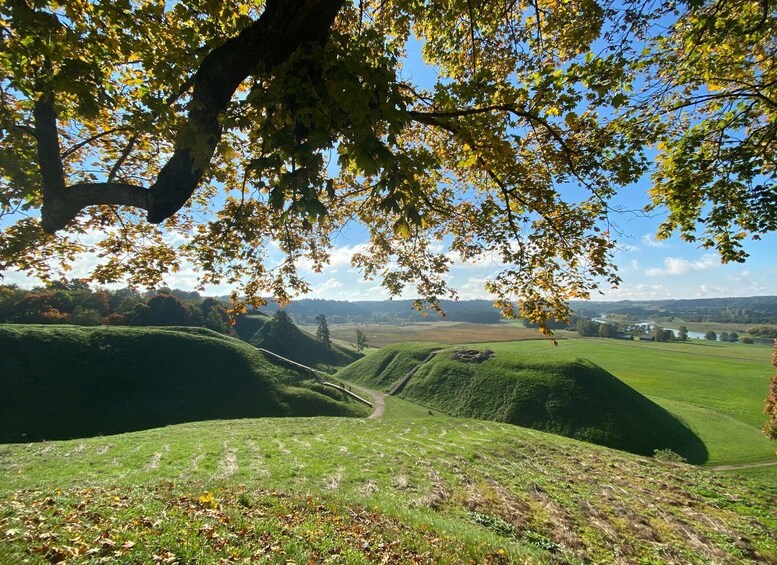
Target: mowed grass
point(717, 388)
point(427, 489)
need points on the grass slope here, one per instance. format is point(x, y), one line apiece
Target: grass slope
point(572, 398)
point(298, 346)
point(385, 367)
point(62, 382)
point(717, 388)
point(431, 490)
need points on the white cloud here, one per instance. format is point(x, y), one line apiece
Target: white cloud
point(650, 241)
point(328, 285)
point(638, 292)
point(487, 260)
point(679, 266)
point(710, 291)
point(739, 277)
point(631, 267)
point(338, 257)
point(473, 289)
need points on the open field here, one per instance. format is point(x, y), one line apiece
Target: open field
point(410, 487)
point(380, 335)
point(716, 388)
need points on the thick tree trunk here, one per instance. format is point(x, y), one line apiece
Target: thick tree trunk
point(284, 27)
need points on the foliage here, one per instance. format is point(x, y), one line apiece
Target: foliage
point(682, 333)
point(711, 336)
point(607, 330)
point(62, 382)
point(305, 310)
point(734, 310)
point(361, 340)
point(219, 121)
point(283, 331)
point(322, 332)
point(770, 408)
point(587, 328)
point(64, 302)
point(763, 331)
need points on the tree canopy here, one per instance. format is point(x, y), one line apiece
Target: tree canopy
point(201, 131)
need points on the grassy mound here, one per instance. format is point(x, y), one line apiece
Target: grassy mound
point(573, 398)
point(61, 382)
point(295, 344)
point(387, 366)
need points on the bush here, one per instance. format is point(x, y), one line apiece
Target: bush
point(87, 317)
point(668, 456)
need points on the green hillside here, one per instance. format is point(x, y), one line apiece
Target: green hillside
point(293, 343)
point(400, 490)
point(718, 389)
point(61, 381)
point(384, 368)
point(573, 398)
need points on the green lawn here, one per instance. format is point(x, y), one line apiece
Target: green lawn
point(430, 489)
point(717, 388)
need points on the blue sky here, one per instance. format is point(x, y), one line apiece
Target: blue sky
point(650, 269)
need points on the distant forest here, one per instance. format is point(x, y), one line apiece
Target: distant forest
point(75, 302)
point(749, 310)
point(304, 311)
point(752, 310)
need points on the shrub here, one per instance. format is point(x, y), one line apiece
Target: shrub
point(668, 456)
point(86, 317)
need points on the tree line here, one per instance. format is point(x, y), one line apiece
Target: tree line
point(735, 310)
point(74, 302)
point(587, 327)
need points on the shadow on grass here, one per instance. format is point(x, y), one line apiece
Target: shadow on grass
point(642, 425)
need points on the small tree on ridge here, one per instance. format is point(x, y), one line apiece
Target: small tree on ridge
point(322, 333)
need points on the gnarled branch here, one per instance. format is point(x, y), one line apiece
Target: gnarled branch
point(284, 27)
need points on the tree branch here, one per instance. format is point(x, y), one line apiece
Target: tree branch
point(284, 27)
point(67, 152)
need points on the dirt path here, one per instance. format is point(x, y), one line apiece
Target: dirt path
point(378, 405)
point(742, 466)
